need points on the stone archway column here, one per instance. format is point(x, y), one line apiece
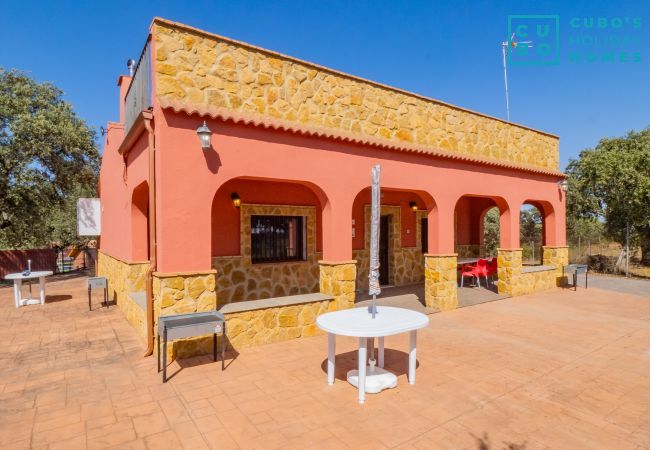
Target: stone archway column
point(558, 257)
point(338, 279)
point(509, 262)
point(338, 271)
point(440, 263)
point(509, 255)
point(440, 281)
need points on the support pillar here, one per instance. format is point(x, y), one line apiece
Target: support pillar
point(338, 279)
point(558, 257)
point(182, 293)
point(440, 281)
point(509, 271)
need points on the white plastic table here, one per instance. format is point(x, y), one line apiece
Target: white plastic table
point(358, 322)
point(18, 283)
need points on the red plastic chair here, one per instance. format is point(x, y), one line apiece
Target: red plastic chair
point(477, 271)
point(492, 268)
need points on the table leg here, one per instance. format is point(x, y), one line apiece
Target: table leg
point(89, 294)
point(223, 346)
point(363, 354)
point(412, 356)
point(41, 285)
point(380, 351)
point(18, 285)
point(164, 356)
point(331, 357)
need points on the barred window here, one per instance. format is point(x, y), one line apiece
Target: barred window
point(277, 238)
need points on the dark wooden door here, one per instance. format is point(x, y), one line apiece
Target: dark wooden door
point(424, 234)
point(384, 239)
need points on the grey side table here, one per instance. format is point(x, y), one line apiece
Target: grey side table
point(576, 269)
point(190, 325)
point(97, 282)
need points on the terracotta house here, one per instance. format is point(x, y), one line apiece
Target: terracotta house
point(267, 220)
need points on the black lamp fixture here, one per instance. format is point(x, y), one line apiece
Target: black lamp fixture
point(563, 185)
point(205, 135)
point(413, 206)
point(236, 201)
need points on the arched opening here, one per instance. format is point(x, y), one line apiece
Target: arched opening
point(279, 228)
point(479, 233)
point(404, 236)
point(470, 216)
point(537, 229)
point(140, 222)
point(490, 233)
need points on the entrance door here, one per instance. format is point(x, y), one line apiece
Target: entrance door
point(384, 239)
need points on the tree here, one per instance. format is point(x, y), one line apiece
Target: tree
point(491, 231)
point(48, 158)
point(611, 183)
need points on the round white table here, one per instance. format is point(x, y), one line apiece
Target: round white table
point(18, 283)
point(358, 322)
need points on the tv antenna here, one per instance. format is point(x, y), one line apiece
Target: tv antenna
point(505, 47)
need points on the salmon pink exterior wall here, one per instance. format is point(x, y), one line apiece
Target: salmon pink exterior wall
point(335, 171)
point(389, 198)
point(226, 218)
point(116, 188)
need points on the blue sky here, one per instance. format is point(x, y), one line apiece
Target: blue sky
point(446, 50)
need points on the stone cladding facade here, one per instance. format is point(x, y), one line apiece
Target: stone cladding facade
point(195, 69)
point(238, 279)
point(440, 282)
point(124, 279)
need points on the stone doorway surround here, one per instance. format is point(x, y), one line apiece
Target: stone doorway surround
point(406, 263)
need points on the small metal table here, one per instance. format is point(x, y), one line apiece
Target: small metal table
point(190, 325)
point(97, 282)
point(18, 283)
point(576, 269)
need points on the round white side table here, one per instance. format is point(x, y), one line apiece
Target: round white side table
point(18, 283)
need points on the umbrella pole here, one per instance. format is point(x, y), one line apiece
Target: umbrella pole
point(373, 306)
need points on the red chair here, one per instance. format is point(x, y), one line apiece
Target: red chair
point(492, 268)
point(477, 271)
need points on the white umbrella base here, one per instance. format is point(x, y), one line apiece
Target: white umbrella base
point(377, 379)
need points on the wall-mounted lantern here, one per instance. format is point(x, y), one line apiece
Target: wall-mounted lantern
point(413, 206)
point(563, 185)
point(236, 201)
point(204, 134)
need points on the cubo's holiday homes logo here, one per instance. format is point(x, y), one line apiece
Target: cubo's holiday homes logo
point(540, 38)
point(535, 39)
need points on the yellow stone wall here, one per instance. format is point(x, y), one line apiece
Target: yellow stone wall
point(238, 279)
point(440, 282)
point(202, 70)
point(557, 257)
point(183, 294)
point(514, 282)
point(509, 264)
point(406, 264)
point(252, 328)
point(123, 279)
point(338, 280)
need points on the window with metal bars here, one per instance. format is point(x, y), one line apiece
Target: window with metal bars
point(277, 238)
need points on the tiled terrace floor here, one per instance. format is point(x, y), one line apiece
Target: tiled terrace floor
point(553, 370)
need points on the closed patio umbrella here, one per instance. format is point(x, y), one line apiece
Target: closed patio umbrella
point(373, 283)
